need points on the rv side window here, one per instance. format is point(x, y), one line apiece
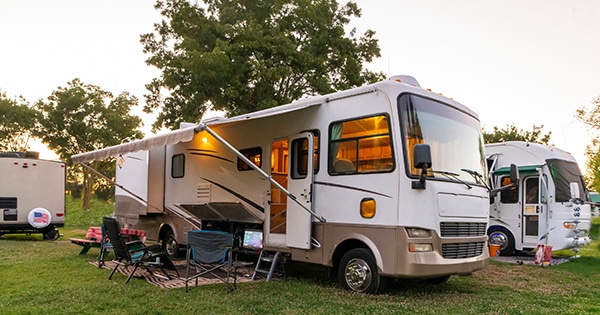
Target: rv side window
point(254, 155)
point(510, 195)
point(178, 166)
point(360, 146)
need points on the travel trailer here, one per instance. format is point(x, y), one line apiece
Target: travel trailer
point(549, 206)
point(32, 194)
point(375, 182)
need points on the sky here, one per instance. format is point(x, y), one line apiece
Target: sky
point(521, 62)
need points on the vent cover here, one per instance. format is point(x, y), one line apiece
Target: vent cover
point(203, 193)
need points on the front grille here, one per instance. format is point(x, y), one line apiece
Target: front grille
point(462, 229)
point(8, 202)
point(462, 250)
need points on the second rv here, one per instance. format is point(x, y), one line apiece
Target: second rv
point(550, 205)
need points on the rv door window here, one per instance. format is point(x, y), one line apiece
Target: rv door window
point(299, 158)
point(178, 166)
point(510, 195)
point(360, 146)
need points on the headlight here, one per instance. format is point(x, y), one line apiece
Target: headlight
point(418, 233)
point(420, 247)
point(570, 225)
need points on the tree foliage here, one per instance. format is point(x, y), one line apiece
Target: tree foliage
point(17, 122)
point(591, 117)
point(81, 118)
point(242, 56)
point(512, 133)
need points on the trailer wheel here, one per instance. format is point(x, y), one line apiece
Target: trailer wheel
point(358, 272)
point(499, 235)
point(50, 233)
point(169, 244)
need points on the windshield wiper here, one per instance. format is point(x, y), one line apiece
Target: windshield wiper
point(478, 177)
point(454, 176)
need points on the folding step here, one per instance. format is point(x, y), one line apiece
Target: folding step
point(269, 264)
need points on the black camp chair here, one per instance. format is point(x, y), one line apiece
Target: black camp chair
point(210, 252)
point(135, 253)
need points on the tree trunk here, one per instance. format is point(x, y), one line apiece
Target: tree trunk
point(88, 180)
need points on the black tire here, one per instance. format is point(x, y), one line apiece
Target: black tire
point(170, 245)
point(358, 272)
point(50, 233)
point(499, 235)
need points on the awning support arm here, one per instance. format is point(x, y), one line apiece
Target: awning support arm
point(112, 182)
point(204, 127)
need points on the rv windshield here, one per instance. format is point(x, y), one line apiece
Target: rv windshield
point(454, 137)
point(566, 172)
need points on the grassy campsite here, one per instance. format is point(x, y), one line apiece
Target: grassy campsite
point(40, 276)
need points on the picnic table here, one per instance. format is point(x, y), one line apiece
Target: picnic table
point(93, 238)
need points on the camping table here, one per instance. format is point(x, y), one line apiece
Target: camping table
point(134, 234)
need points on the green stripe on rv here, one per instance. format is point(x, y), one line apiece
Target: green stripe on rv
point(522, 169)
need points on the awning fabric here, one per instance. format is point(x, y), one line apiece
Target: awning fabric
point(172, 137)
point(187, 134)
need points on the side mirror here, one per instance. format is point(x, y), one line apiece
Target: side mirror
point(574, 189)
point(422, 160)
point(422, 156)
point(514, 181)
point(514, 174)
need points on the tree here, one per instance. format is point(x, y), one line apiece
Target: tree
point(81, 118)
point(242, 56)
point(591, 117)
point(512, 133)
point(17, 121)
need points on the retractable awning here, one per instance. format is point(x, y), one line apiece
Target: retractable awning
point(187, 134)
point(181, 135)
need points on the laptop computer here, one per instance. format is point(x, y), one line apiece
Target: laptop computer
point(253, 239)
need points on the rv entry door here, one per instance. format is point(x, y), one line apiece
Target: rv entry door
point(533, 211)
point(300, 184)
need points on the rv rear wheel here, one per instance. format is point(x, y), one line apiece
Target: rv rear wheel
point(358, 272)
point(169, 244)
point(499, 235)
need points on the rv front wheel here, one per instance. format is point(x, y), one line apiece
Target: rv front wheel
point(358, 272)
point(501, 236)
point(170, 245)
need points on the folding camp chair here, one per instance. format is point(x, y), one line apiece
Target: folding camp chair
point(210, 252)
point(135, 253)
point(105, 246)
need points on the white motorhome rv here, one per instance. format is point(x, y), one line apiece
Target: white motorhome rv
point(32, 194)
point(374, 182)
point(550, 204)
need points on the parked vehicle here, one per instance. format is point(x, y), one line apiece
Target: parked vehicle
point(549, 206)
point(32, 194)
point(374, 182)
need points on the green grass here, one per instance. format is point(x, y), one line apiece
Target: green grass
point(78, 218)
point(43, 277)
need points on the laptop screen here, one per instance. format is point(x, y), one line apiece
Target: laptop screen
point(253, 239)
